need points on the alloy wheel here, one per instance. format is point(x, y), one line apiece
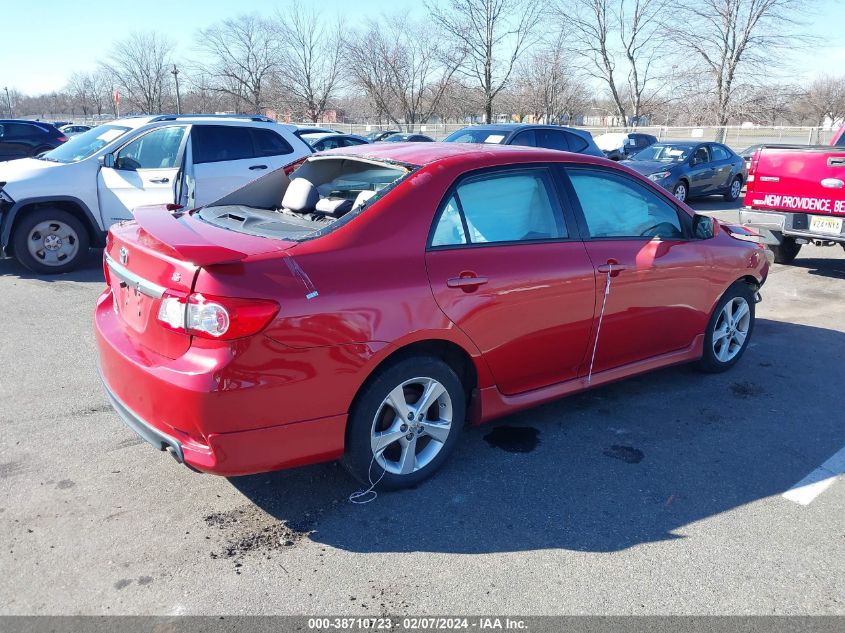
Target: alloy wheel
point(52, 242)
point(736, 187)
point(731, 329)
point(680, 192)
point(411, 426)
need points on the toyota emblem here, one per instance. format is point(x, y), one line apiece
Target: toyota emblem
point(124, 255)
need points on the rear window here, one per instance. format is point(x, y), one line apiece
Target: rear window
point(215, 143)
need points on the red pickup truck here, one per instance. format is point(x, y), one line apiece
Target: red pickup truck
point(796, 196)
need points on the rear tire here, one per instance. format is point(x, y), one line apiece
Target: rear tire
point(729, 329)
point(381, 435)
point(50, 241)
point(786, 251)
point(734, 190)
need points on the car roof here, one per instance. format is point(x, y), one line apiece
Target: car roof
point(134, 122)
point(421, 154)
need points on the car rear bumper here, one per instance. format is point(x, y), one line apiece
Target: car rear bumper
point(179, 406)
point(772, 225)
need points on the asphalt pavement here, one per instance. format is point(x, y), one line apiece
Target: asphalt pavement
point(662, 494)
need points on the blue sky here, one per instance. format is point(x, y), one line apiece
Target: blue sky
point(46, 44)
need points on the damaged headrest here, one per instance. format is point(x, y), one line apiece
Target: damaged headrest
point(301, 195)
point(334, 207)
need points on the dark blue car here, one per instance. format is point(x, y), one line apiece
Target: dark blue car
point(692, 170)
point(558, 137)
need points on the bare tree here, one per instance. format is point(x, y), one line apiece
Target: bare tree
point(404, 67)
point(620, 43)
point(732, 37)
point(80, 89)
point(825, 100)
point(139, 67)
point(311, 59)
point(493, 35)
point(241, 57)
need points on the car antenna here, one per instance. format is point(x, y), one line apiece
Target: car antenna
point(601, 317)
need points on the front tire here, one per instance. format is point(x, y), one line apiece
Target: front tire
point(729, 329)
point(50, 241)
point(405, 423)
point(681, 192)
point(786, 251)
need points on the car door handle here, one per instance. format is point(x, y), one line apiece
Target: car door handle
point(253, 167)
point(161, 180)
point(614, 268)
point(467, 283)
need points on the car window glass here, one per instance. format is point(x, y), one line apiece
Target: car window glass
point(701, 155)
point(268, 143)
point(719, 152)
point(615, 206)
point(158, 149)
point(450, 228)
point(505, 207)
point(525, 138)
point(215, 143)
point(2, 131)
point(22, 130)
point(576, 143)
point(551, 139)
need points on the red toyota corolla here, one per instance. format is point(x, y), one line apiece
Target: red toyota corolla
point(385, 295)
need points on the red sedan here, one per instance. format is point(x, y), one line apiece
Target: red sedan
point(383, 296)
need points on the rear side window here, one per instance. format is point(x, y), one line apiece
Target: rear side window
point(268, 143)
point(513, 206)
point(215, 143)
point(552, 139)
point(576, 143)
point(615, 206)
point(719, 152)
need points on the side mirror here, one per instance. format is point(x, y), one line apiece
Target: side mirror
point(703, 227)
point(107, 160)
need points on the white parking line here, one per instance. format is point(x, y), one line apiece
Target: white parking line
point(817, 481)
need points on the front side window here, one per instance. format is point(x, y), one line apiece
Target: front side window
point(158, 149)
point(514, 206)
point(701, 155)
point(615, 206)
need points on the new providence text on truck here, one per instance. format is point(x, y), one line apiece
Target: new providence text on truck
point(795, 196)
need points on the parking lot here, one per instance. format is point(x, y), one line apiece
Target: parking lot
point(661, 494)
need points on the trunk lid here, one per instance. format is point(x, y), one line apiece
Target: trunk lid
point(802, 180)
point(161, 252)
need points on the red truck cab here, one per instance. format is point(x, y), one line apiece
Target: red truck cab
point(796, 196)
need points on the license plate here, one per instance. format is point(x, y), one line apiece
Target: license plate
point(831, 226)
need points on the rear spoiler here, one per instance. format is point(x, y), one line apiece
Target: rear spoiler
point(168, 228)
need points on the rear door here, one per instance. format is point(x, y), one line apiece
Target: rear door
point(224, 158)
point(659, 293)
point(508, 267)
point(723, 167)
point(145, 172)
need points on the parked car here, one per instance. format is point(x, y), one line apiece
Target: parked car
point(621, 145)
point(54, 206)
point(407, 138)
point(73, 130)
point(375, 137)
point(795, 196)
point(549, 136)
point(20, 138)
point(399, 291)
point(301, 131)
point(692, 170)
point(319, 141)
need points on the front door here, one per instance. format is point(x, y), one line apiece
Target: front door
point(145, 172)
point(701, 172)
point(659, 289)
point(507, 267)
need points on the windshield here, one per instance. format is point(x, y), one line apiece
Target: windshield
point(86, 144)
point(664, 153)
point(476, 135)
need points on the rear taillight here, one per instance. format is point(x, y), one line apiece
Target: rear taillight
point(62, 139)
point(289, 169)
point(222, 318)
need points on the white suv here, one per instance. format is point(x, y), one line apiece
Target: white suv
point(53, 207)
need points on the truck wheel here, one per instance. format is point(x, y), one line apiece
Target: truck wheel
point(786, 251)
point(734, 190)
point(50, 241)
